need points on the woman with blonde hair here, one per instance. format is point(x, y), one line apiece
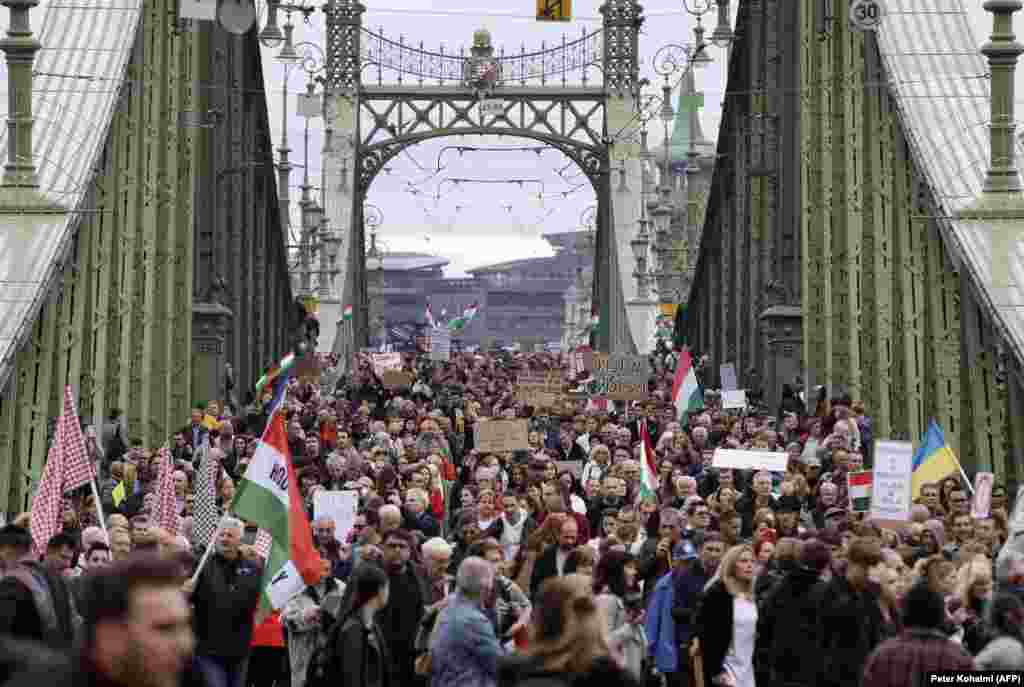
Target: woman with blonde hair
point(727, 621)
point(569, 642)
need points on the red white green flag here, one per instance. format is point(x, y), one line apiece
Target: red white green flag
point(268, 496)
point(859, 484)
point(648, 471)
point(346, 314)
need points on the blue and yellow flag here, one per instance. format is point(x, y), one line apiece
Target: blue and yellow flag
point(934, 460)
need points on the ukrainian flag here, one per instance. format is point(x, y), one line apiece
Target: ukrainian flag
point(933, 460)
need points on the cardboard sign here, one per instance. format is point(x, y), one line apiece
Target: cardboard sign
point(498, 436)
point(1017, 517)
point(750, 460)
point(539, 390)
point(440, 345)
point(620, 377)
point(727, 371)
point(891, 496)
point(340, 505)
point(734, 400)
point(397, 379)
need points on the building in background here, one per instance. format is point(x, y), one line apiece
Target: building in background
point(520, 302)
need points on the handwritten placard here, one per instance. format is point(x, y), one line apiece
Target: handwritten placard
point(498, 436)
point(727, 371)
point(540, 390)
point(981, 505)
point(620, 377)
point(440, 345)
point(891, 483)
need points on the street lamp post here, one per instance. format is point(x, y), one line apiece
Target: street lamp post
point(373, 218)
point(272, 37)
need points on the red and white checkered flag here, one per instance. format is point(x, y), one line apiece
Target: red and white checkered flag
point(166, 501)
point(77, 468)
point(46, 504)
point(262, 544)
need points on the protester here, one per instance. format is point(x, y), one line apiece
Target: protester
point(135, 633)
point(727, 620)
point(361, 635)
point(35, 601)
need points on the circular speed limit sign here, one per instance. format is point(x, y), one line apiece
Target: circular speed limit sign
point(865, 15)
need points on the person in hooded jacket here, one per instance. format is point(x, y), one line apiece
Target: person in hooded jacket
point(788, 620)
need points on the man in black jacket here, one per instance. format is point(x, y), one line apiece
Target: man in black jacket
point(552, 562)
point(850, 624)
point(223, 602)
point(35, 603)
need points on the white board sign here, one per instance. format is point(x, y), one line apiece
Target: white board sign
point(728, 373)
point(340, 505)
point(981, 505)
point(386, 361)
point(736, 399)
point(440, 345)
point(736, 459)
point(891, 496)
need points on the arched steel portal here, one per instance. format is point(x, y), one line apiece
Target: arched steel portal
point(435, 94)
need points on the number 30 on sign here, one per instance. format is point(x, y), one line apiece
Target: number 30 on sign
point(865, 15)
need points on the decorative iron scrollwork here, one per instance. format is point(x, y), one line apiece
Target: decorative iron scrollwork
point(582, 57)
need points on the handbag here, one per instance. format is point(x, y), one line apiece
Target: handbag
point(696, 658)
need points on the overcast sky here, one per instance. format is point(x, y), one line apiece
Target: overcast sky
point(480, 224)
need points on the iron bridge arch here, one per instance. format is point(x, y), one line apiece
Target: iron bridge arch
point(403, 94)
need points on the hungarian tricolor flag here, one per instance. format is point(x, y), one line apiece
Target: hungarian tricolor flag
point(276, 371)
point(648, 471)
point(465, 318)
point(346, 314)
point(686, 393)
point(268, 496)
point(859, 484)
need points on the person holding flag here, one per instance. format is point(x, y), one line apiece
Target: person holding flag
point(227, 587)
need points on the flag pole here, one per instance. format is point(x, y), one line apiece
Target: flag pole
point(206, 556)
point(99, 509)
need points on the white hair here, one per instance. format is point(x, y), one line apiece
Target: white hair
point(436, 547)
point(473, 577)
point(229, 522)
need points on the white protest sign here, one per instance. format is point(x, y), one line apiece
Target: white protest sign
point(728, 373)
point(340, 505)
point(736, 399)
point(440, 345)
point(891, 496)
point(982, 504)
point(750, 460)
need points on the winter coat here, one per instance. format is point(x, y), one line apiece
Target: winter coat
point(905, 659)
point(661, 626)
point(223, 602)
point(689, 590)
point(464, 650)
point(849, 628)
point(787, 623)
point(305, 637)
point(715, 629)
point(363, 656)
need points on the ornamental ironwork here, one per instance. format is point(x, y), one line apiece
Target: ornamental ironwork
point(570, 62)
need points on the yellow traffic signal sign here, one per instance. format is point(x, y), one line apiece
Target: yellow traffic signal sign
point(554, 10)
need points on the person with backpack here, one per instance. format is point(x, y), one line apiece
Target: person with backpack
point(308, 617)
point(356, 653)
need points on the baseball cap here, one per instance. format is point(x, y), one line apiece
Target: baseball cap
point(684, 551)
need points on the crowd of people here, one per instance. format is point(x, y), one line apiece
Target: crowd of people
point(522, 568)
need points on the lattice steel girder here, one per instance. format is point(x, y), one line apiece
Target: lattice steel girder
point(393, 118)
